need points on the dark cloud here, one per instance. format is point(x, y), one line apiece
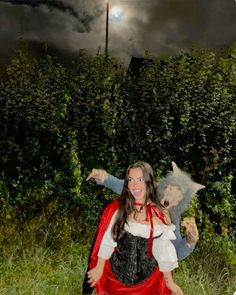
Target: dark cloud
point(217, 22)
point(159, 26)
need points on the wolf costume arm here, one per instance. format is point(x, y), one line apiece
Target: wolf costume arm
point(113, 183)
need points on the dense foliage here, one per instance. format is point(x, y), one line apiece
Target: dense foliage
point(58, 122)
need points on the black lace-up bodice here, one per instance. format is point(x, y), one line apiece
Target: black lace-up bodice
point(130, 262)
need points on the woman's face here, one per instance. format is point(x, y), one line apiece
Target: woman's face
point(137, 185)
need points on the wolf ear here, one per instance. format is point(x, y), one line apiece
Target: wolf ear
point(197, 186)
point(175, 168)
point(176, 171)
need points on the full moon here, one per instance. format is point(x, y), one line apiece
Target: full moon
point(116, 13)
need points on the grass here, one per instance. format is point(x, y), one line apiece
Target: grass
point(40, 272)
point(52, 263)
point(210, 270)
point(194, 279)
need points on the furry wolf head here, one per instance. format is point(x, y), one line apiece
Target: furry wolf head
point(177, 182)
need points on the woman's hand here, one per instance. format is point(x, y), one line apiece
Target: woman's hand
point(94, 275)
point(175, 289)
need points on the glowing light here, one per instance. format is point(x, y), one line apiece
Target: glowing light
point(116, 13)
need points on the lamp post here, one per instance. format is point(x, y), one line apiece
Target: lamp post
point(107, 30)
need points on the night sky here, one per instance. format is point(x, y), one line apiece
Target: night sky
point(162, 27)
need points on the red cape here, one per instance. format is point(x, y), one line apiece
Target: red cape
point(102, 227)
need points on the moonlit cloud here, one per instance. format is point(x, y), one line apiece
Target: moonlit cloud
point(159, 26)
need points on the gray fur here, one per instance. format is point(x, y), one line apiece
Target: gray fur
point(184, 182)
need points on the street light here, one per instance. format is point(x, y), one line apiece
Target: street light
point(116, 15)
point(107, 24)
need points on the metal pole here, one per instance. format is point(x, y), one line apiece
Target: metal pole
point(107, 27)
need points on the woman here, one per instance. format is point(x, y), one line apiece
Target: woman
point(133, 253)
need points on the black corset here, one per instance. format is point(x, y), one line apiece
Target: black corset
point(130, 262)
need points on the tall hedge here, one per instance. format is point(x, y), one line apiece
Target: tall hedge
point(59, 122)
point(36, 139)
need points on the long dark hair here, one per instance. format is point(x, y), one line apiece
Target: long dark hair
point(126, 203)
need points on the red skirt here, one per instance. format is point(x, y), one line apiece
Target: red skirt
point(153, 285)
